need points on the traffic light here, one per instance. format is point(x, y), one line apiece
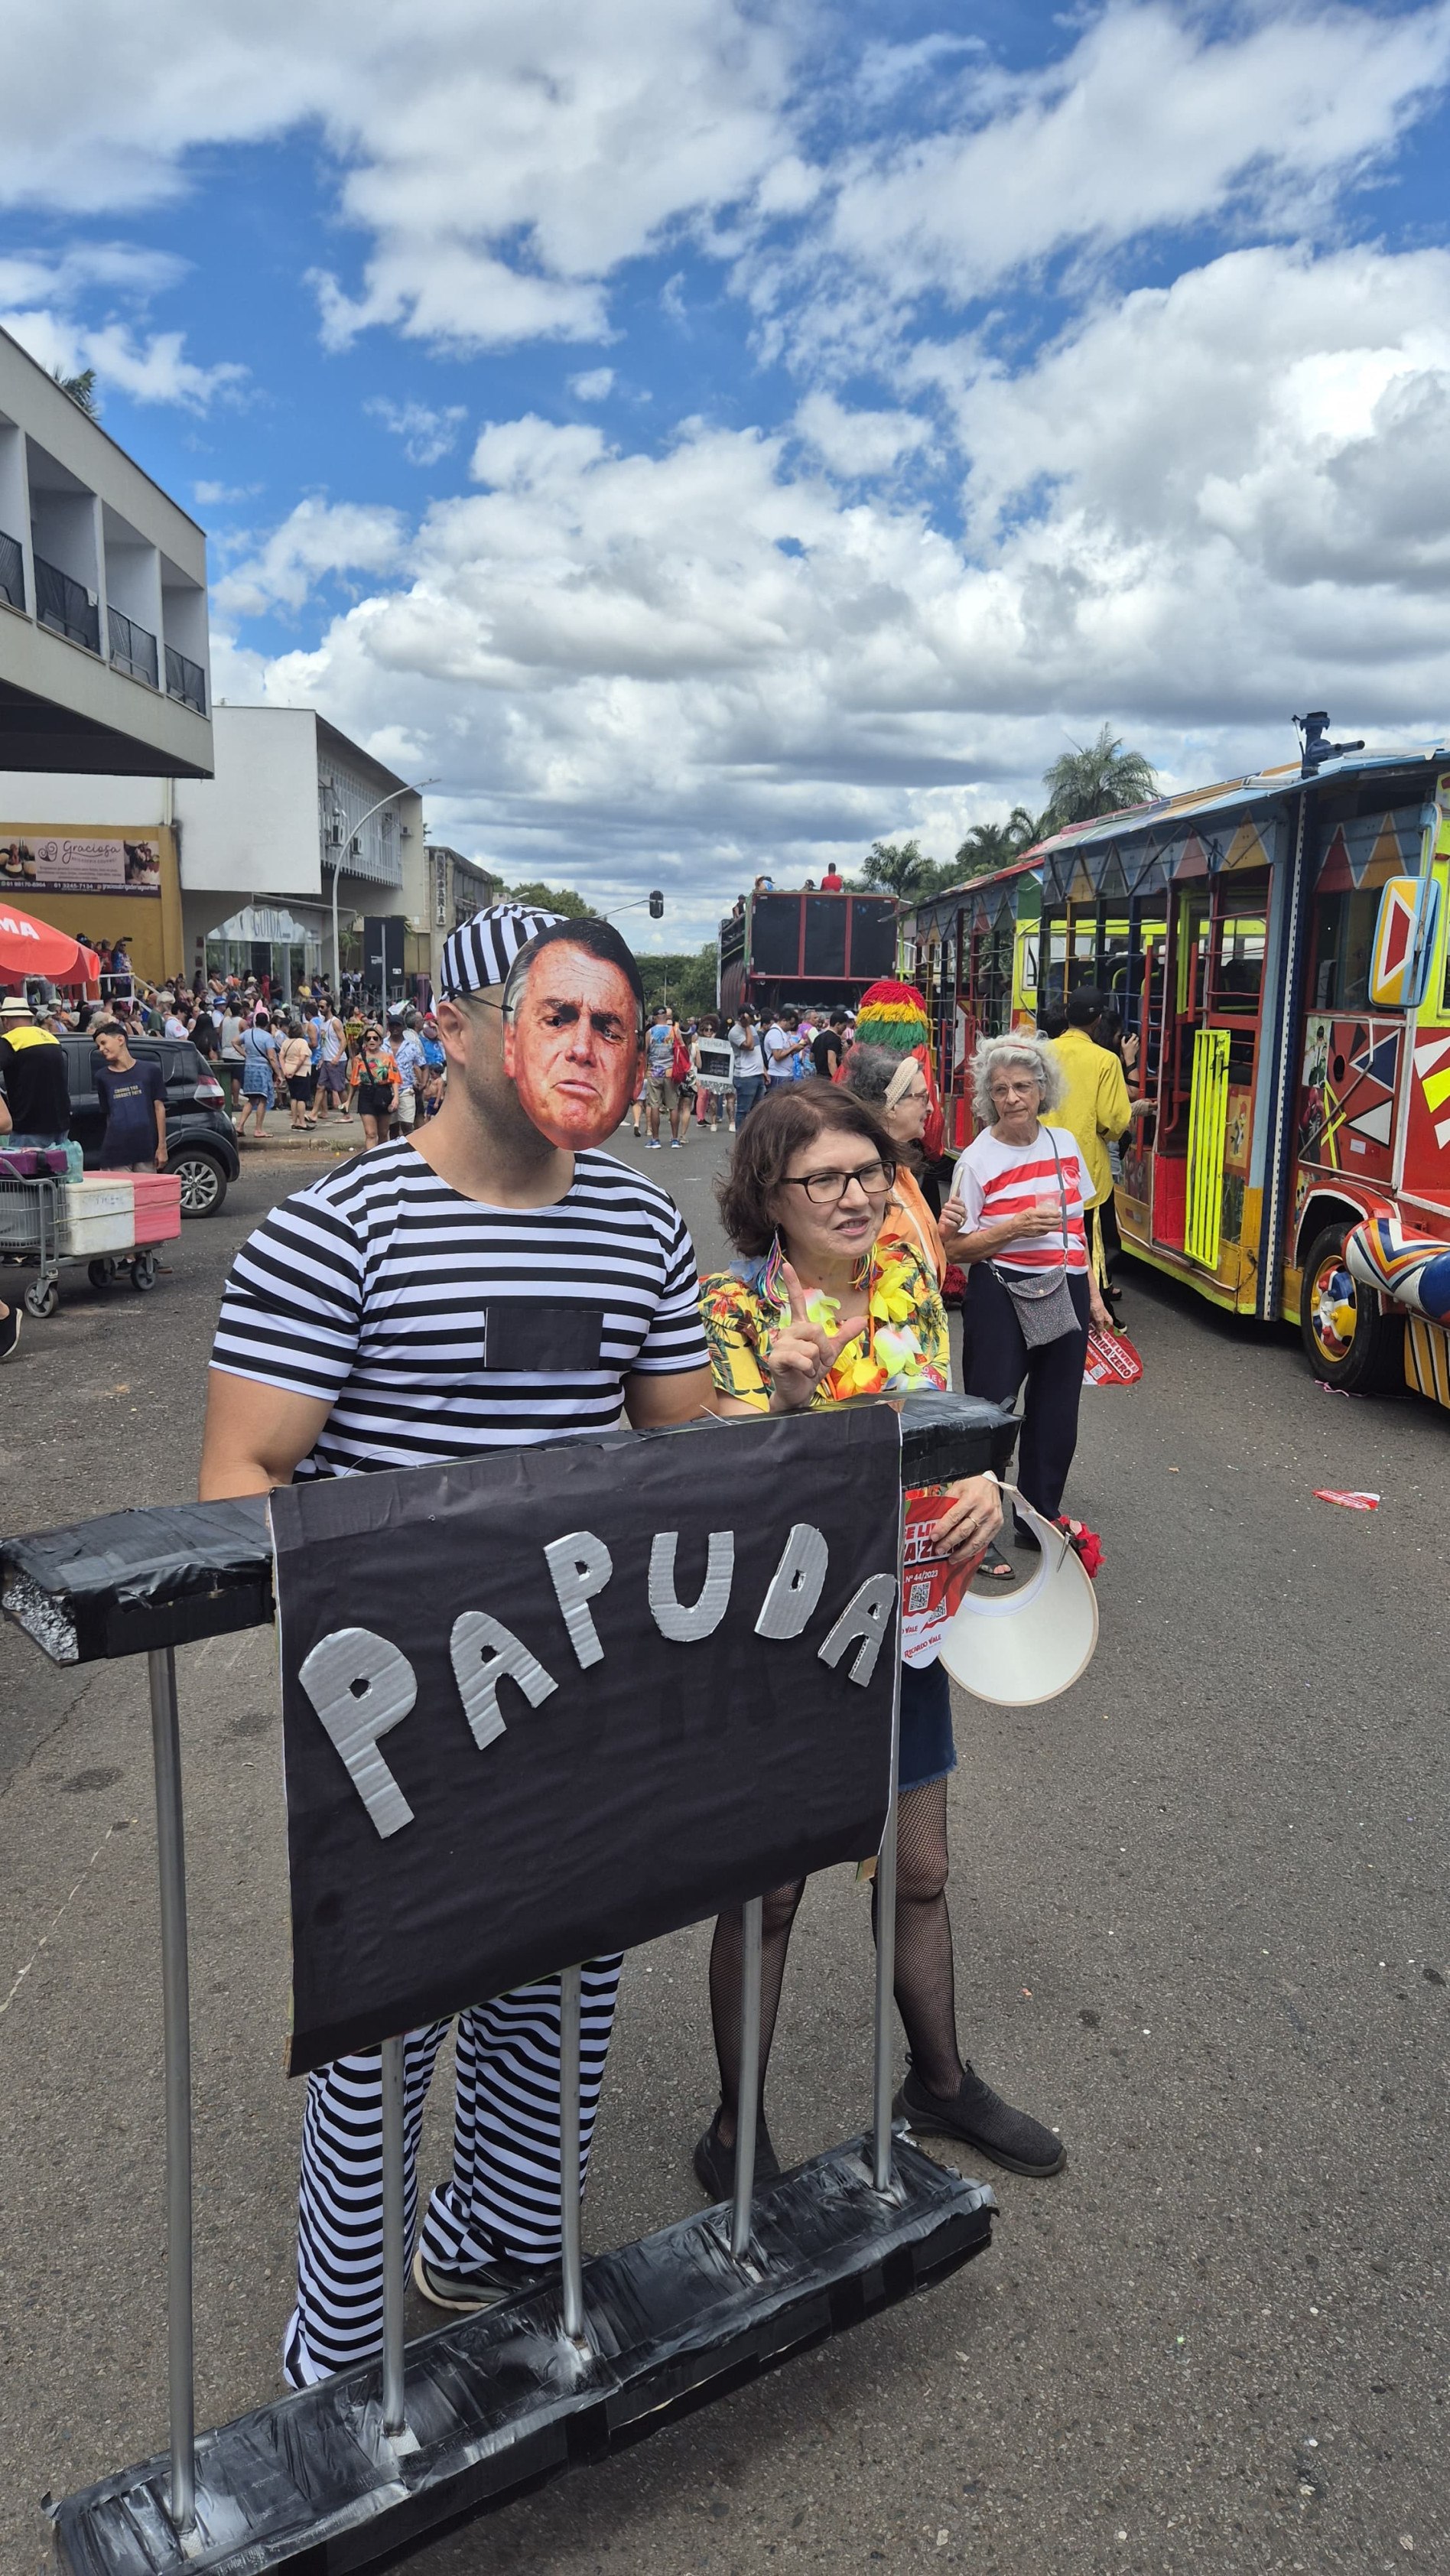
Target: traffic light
point(656, 906)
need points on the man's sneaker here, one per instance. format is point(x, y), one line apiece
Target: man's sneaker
point(715, 2162)
point(675, 1144)
point(483, 2285)
point(9, 1333)
point(981, 2119)
point(651, 1144)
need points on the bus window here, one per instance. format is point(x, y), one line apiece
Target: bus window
point(1238, 962)
point(1342, 949)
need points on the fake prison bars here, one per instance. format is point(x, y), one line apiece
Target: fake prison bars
point(348, 2474)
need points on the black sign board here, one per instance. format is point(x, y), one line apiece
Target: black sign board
point(555, 1702)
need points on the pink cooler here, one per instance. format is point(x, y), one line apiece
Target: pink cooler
point(158, 1206)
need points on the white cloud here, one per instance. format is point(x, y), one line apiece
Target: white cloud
point(315, 540)
point(502, 157)
point(43, 293)
point(1216, 503)
point(426, 434)
point(216, 496)
point(857, 443)
point(1155, 120)
point(594, 385)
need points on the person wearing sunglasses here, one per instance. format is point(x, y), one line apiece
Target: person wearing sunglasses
point(819, 1307)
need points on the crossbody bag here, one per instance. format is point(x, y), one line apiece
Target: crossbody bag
point(1044, 1309)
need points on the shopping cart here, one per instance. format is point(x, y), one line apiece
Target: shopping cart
point(33, 1229)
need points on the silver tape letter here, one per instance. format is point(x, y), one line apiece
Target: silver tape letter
point(361, 1686)
point(795, 1586)
point(581, 1565)
point(483, 1652)
point(867, 1616)
point(704, 1616)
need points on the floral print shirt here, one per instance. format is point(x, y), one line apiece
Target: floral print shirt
point(905, 1345)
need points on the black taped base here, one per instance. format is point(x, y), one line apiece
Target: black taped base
point(498, 2402)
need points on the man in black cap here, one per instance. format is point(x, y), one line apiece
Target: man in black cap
point(476, 1286)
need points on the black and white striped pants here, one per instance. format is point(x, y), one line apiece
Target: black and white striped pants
point(502, 2196)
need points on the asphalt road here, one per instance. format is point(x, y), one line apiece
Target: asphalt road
point(1200, 1921)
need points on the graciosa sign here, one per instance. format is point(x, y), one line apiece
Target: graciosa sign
point(554, 1702)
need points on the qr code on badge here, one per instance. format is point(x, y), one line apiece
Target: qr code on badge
point(918, 1596)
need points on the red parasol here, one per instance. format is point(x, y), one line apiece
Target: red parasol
point(30, 947)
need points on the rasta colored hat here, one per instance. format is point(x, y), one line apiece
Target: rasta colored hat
point(481, 952)
point(895, 1016)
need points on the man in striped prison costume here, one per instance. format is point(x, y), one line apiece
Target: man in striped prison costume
point(399, 1312)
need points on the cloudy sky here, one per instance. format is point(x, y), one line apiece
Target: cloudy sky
point(708, 435)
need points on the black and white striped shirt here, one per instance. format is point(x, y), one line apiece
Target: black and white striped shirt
point(435, 1326)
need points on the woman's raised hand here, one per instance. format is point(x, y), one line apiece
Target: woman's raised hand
point(802, 1353)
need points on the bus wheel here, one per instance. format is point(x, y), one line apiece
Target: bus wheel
point(1349, 1342)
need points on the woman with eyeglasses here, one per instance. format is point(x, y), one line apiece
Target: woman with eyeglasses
point(821, 1306)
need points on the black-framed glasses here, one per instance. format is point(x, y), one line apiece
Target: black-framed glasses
point(827, 1189)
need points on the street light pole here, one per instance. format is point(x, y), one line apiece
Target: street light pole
point(354, 829)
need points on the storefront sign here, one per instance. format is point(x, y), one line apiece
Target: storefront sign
point(55, 864)
point(553, 1703)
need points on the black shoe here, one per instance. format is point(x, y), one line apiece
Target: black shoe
point(9, 1333)
point(981, 2119)
point(483, 2285)
point(715, 2162)
point(1022, 1536)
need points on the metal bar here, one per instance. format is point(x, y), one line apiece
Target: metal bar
point(748, 2110)
point(569, 2003)
point(886, 1916)
point(176, 2020)
point(395, 2250)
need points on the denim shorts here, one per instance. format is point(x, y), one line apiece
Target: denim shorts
point(927, 1749)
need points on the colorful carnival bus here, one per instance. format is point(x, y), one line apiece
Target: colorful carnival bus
point(1278, 946)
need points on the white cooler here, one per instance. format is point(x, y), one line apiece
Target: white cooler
point(95, 1215)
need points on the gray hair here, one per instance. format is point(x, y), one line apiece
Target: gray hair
point(1022, 1047)
point(869, 1072)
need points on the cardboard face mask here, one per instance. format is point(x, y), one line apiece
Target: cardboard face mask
point(571, 1045)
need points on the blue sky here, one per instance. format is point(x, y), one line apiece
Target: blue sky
point(710, 435)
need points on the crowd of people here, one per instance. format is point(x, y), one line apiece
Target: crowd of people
point(326, 1364)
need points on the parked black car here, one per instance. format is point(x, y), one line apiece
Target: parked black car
point(201, 1140)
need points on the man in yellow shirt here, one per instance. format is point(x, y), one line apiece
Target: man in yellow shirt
point(1096, 1108)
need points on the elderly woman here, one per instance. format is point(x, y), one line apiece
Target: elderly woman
point(823, 1306)
point(895, 1088)
point(1015, 1219)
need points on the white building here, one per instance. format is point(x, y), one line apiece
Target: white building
point(294, 813)
point(103, 625)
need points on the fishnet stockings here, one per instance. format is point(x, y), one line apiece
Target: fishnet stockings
point(925, 1984)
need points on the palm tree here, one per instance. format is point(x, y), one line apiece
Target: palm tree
point(987, 846)
point(81, 388)
point(1097, 778)
point(1025, 830)
point(898, 868)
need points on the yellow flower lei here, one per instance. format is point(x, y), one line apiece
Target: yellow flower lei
point(893, 1356)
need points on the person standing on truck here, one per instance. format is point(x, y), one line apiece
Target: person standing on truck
point(133, 1096)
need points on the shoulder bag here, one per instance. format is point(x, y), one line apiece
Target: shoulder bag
point(1044, 1308)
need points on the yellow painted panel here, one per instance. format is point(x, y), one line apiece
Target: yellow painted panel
point(1207, 1125)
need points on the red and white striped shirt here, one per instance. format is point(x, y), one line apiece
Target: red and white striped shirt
point(994, 1180)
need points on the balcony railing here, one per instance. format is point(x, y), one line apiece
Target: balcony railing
point(185, 680)
point(132, 649)
point(67, 606)
point(12, 571)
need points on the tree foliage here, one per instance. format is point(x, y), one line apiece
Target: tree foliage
point(1097, 777)
point(81, 388)
point(547, 898)
point(683, 978)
